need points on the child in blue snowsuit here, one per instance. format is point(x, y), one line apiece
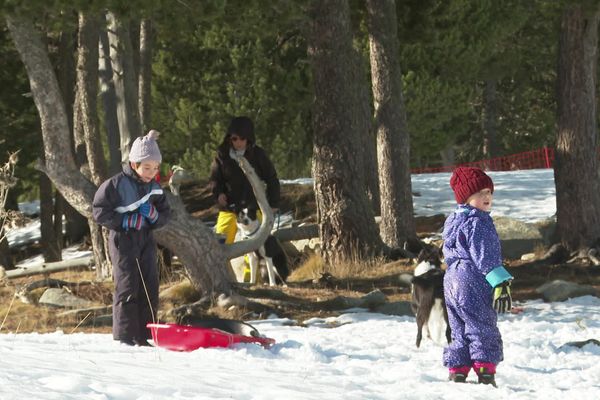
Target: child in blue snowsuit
point(476, 285)
point(131, 204)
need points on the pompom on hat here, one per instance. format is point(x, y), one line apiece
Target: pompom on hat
point(466, 181)
point(145, 148)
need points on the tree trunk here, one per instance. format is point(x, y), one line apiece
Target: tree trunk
point(51, 249)
point(397, 222)
point(448, 155)
point(368, 140)
point(125, 80)
point(346, 221)
point(51, 202)
point(6, 260)
point(87, 90)
point(109, 104)
point(145, 73)
point(194, 243)
point(576, 163)
point(490, 112)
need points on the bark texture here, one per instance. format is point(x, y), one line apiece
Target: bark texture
point(204, 259)
point(125, 81)
point(145, 73)
point(59, 161)
point(576, 166)
point(87, 91)
point(393, 144)
point(490, 112)
point(109, 104)
point(345, 217)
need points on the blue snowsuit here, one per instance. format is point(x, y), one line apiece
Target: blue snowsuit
point(120, 195)
point(473, 256)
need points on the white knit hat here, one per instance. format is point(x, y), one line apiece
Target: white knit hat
point(145, 148)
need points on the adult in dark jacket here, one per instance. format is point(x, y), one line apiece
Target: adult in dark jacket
point(131, 205)
point(230, 187)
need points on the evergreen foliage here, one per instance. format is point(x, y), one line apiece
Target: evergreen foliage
point(217, 59)
point(254, 65)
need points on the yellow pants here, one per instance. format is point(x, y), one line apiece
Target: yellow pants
point(227, 226)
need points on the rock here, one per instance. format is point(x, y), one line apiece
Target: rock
point(546, 227)
point(373, 299)
point(307, 246)
point(582, 343)
point(528, 257)
point(400, 308)
point(63, 299)
point(432, 223)
point(370, 301)
point(517, 237)
point(560, 290)
point(405, 279)
point(234, 299)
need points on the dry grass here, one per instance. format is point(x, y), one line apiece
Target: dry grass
point(31, 317)
point(314, 266)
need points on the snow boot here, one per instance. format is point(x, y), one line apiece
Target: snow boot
point(458, 374)
point(485, 372)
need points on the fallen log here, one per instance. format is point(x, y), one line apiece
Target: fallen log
point(84, 312)
point(308, 231)
point(45, 268)
point(297, 233)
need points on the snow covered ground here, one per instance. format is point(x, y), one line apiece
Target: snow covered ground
point(527, 195)
point(367, 356)
point(364, 356)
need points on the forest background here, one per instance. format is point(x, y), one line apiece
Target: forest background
point(450, 82)
point(478, 78)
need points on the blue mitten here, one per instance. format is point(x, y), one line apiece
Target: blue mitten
point(149, 211)
point(132, 220)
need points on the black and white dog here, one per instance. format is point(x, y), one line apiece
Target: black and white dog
point(270, 255)
point(428, 298)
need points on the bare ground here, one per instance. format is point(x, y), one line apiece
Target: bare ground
point(302, 299)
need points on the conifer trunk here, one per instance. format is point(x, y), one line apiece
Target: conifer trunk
point(346, 220)
point(145, 73)
point(576, 164)
point(125, 80)
point(87, 91)
point(109, 105)
point(204, 259)
point(393, 147)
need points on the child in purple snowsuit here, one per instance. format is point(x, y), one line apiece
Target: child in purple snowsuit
point(476, 285)
point(131, 205)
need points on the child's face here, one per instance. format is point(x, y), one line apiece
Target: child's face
point(147, 170)
point(481, 200)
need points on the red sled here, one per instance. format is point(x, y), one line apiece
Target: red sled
point(195, 333)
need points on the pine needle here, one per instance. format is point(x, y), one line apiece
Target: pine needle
point(80, 322)
point(8, 311)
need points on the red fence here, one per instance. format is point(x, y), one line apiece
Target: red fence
point(540, 158)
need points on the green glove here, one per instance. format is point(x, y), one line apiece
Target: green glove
point(502, 298)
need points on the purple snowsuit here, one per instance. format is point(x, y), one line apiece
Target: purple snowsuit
point(118, 196)
point(472, 253)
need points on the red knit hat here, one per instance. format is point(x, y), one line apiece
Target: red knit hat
point(466, 181)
